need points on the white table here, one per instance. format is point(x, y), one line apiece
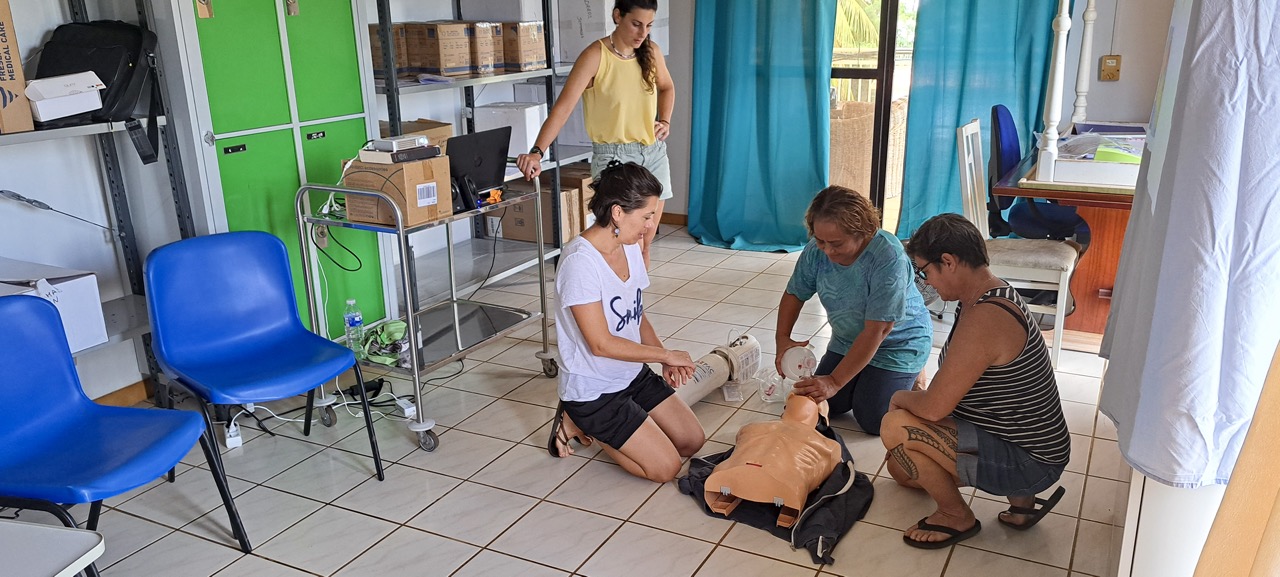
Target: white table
point(35, 550)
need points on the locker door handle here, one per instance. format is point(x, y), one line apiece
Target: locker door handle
point(204, 8)
point(291, 7)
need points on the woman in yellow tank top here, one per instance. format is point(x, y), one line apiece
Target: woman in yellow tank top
point(627, 98)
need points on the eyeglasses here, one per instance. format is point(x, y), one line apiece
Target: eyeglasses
point(920, 274)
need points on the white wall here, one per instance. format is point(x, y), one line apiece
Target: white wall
point(66, 174)
point(1136, 30)
point(680, 63)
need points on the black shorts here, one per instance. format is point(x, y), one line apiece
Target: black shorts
point(614, 417)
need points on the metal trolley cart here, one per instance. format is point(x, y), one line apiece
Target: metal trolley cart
point(444, 331)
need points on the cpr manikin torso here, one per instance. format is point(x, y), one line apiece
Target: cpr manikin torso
point(777, 462)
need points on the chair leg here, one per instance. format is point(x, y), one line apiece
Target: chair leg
point(1060, 309)
point(368, 421)
point(95, 511)
point(306, 419)
point(220, 479)
point(40, 505)
point(212, 435)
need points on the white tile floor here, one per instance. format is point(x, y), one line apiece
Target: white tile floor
point(490, 501)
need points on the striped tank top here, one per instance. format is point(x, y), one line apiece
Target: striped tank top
point(1018, 401)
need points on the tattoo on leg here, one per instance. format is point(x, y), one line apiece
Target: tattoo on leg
point(923, 436)
point(948, 435)
point(900, 455)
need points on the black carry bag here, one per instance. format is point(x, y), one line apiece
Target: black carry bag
point(123, 57)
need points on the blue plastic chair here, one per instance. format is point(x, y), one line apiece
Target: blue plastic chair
point(225, 326)
point(1028, 218)
point(57, 446)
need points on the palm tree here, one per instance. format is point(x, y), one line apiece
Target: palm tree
point(857, 37)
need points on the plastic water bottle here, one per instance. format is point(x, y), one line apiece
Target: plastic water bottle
point(354, 323)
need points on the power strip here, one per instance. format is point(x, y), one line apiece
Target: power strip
point(407, 408)
point(232, 436)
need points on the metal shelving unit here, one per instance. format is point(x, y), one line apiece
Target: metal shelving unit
point(125, 317)
point(445, 329)
point(449, 327)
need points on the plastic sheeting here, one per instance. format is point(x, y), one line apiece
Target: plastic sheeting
point(1195, 318)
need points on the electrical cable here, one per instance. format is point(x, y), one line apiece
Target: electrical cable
point(493, 258)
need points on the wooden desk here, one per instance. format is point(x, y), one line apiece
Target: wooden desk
point(35, 549)
point(1108, 215)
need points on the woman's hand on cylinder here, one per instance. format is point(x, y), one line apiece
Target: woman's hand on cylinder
point(819, 388)
point(783, 343)
point(530, 165)
point(677, 367)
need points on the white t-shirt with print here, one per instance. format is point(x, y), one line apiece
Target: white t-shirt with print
point(584, 277)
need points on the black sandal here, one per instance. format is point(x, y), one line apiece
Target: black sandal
point(956, 535)
point(1045, 505)
point(557, 438)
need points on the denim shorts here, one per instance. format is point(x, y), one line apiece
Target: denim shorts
point(999, 467)
point(652, 157)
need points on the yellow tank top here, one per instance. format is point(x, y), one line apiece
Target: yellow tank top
point(616, 108)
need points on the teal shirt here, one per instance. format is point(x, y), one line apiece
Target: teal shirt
point(879, 286)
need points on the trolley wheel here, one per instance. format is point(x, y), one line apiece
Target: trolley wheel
point(550, 368)
point(328, 416)
point(428, 440)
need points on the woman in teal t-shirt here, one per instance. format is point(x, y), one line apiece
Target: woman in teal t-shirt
point(880, 328)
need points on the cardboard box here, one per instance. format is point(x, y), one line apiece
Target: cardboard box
point(524, 118)
point(441, 47)
point(517, 222)
point(499, 52)
point(482, 44)
point(66, 95)
point(582, 22)
point(578, 175)
point(523, 46)
point(502, 10)
point(74, 292)
point(15, 110)
point(574, 132)
point(427, 182)
point(437, 132)
point(402, 48)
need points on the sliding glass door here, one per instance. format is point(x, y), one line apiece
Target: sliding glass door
point(872, 49)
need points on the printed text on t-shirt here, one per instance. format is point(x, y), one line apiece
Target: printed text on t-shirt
point(627, 315)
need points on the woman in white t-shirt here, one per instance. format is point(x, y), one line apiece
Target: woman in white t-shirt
point(608, 393)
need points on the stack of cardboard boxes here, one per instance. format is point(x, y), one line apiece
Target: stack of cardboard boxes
point(455, 47)
point(575, 192)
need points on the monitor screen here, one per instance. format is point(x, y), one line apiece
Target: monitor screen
point(482, 156)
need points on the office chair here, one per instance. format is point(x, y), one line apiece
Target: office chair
point(58, 447)
point(1034, 264)
point(1028, 218)
point(225, 326)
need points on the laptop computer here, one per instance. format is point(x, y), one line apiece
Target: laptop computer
point(477, 164)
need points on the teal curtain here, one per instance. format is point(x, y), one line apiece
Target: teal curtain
point(761, 120)
point(969, 56)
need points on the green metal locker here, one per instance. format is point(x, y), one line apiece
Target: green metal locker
point(324, 148)
point(244, 66)
point(322, 54)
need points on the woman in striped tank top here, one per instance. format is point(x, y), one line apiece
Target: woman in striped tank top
point(991, 418)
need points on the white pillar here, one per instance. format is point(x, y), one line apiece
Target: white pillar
point(1084, 72)
point(1053, 98)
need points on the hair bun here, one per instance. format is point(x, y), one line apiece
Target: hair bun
point(613, 163)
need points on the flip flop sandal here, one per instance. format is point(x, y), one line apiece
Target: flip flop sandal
point(1045, 505)
point(956, 535)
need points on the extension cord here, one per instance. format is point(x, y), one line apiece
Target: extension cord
point(407, 408)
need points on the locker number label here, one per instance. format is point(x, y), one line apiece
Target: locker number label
point(315, 135)
point(234, 149)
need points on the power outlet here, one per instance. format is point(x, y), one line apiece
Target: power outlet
point(232, 439)
point(322, 237)
point(1109, 68)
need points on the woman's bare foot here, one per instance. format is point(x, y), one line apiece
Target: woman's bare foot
point(564, 430)
point(959, 522)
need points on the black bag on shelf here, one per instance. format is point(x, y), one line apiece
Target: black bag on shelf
point(123, 57)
